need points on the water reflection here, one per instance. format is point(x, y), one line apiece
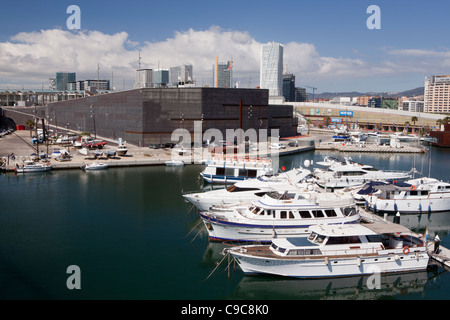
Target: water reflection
point(436, 222)
point(348, 288)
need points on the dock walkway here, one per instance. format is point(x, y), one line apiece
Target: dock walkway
point(18, 144)
point(442, 257)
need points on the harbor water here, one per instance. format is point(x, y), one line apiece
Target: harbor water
point(132, 236)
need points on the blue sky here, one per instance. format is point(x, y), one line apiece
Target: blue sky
point(327, 43)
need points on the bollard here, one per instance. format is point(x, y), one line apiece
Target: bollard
point(397, 218)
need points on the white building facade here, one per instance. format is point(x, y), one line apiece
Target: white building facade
point(144, 78)
point(271, 69)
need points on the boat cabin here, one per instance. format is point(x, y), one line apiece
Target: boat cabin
point(349, 239)
point(293, 210)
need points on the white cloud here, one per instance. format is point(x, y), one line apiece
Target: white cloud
point(31, 58)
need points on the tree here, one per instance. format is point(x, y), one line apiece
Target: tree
point(30, 124)
point(414, 119)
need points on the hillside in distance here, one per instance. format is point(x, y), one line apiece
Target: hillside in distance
point(408, 93)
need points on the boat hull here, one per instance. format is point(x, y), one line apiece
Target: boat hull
point(221, 230)
point(31, 170)
point(411, 205)
point(326, 267)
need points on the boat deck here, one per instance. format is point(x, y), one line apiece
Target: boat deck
point(264, 251)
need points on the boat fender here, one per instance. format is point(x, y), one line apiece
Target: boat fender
point(358, 261)
point(417, 255)
point(405, 250)
point(326, 260)
point(396, 257)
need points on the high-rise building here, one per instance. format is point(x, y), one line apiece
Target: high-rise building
point(144, 78)
point(289, 87)
point(160, 78)
point(181, 75)
point(300, 95)
point(437, 94)
point(271, 70)
point(223, 74)
point(63, 79)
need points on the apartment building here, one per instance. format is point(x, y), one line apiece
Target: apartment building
point(437, 94)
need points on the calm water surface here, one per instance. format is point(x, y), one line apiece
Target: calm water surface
point(130, 232)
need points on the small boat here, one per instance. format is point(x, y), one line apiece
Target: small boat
point(56, 153)
point(278, 214)
point(341, 134)
point(122, 149)
point(174, 163)
point(232, 170)
point(64, 155)
point(337, 251)
point(94, 153)
point(89, 143)
point(412, 196)
point(405, 137)
point(31, 166)
point(110, 153)
point(95, 166)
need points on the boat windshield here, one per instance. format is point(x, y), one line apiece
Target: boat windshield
point(233, 188)
point(281, 196)
point(316, 238)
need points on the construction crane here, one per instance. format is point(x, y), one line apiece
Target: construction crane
point(314, 89)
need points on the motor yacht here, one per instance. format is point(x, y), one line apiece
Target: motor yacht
point(350, 174)
point(337, 251)
point(288, 214)
point(412, 196)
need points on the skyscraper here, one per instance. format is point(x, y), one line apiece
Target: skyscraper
point(223, 74)
point(289, 87)
point(144, 78)
point(63, 79)
point(271, 70)
point(160, 78)
point(181, 75)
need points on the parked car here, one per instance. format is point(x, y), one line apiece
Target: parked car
point(293, 144)
point(277, 146)
point(169, 145)
point(153, 146)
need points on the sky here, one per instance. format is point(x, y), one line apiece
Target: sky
point(327, 43)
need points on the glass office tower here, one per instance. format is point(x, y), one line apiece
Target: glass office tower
point(271, 70)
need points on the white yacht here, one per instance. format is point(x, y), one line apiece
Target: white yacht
point(251, 189)
point(412, 196)
point(350, 174)
point(31, 166)
point(174, 163)
point(232, 170)
point(405, 137)
point(94, 166)
point(337, 251)
point(288, 214)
